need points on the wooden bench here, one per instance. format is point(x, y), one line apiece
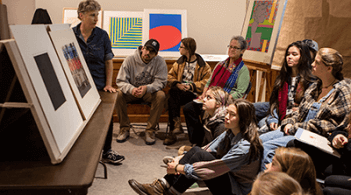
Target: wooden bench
point(140, 113)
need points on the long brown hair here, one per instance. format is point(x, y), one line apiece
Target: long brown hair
point(248, 129)
point(299, 165)
point(276, 183)
point(190, 45)
point(304, 70)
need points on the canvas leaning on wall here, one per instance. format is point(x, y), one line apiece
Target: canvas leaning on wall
point(261, 29)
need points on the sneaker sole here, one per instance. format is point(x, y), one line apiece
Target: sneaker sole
point(167, 159)
point(150, 143)
point(113, 162)
point(135, 188)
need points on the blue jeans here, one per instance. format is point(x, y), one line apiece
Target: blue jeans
point(261, 110)
point(271, 141)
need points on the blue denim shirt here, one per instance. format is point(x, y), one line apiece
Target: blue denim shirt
point(96, 51)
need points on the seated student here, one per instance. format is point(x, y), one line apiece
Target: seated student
point(290, 85)
point(141, 77)
point(227, 165)
point(276, 183)
point(336, 170)
point(299, 165)
point(187, 79)
point(325, 107)
point(231, 74)
point(214, 105)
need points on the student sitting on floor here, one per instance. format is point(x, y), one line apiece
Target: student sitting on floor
point(336, 171)
point(325, 107)
point(276, 183)
point(231, 74)
point(227, 165)
point(298, 165)
point(289, 87)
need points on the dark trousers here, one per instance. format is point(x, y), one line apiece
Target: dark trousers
point(218, 185)
point(337, 184)
point(177, 98)
point(108, 140)
point(193, 112)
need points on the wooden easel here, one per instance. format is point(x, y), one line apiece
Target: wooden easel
point(255, 66)
point(12, 82)
point(32, 103)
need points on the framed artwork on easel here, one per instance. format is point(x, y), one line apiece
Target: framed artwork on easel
point(46, 87)
point(76, 71)
point(261, 28)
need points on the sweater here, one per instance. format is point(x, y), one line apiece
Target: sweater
point(134, 73)
point(222, 73)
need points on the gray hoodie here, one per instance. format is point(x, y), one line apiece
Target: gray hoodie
point(134, 73)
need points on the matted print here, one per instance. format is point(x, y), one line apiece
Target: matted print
point(261, 28)
point(62, 116)
point(168, 27)
point(76, 70)
point(125, 31)
point(70, 16)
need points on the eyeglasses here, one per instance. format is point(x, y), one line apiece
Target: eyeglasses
point(233, 47)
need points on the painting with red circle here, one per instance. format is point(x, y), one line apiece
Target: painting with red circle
point(167, 30)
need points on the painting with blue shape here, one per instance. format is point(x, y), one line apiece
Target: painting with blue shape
point(167, 29)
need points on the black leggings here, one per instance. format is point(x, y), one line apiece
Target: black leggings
point(337, 184)
point(218, 185)
point(193, 112)
point(176, 99)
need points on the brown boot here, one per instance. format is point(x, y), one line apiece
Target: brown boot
point(156, 188)
point(178, 129)
point(170, 139)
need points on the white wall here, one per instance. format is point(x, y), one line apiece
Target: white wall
point(210, 22)
point(19, 11)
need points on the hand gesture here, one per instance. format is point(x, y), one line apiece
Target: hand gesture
point(109, 88)
point(273, 126)
point(339, 141)
point(287, 128)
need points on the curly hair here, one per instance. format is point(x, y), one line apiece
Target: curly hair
point(88, 6)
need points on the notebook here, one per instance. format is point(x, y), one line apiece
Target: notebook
point(317, 141)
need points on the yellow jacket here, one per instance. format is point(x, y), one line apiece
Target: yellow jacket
point(201, 75)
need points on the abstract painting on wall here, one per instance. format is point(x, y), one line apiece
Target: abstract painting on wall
point(125, 31)
point(261, 28)
point(168, 27)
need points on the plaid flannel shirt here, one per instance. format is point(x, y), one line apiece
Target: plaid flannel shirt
point(333, 113)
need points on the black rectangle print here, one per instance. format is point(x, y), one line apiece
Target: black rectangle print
point(51, 82)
